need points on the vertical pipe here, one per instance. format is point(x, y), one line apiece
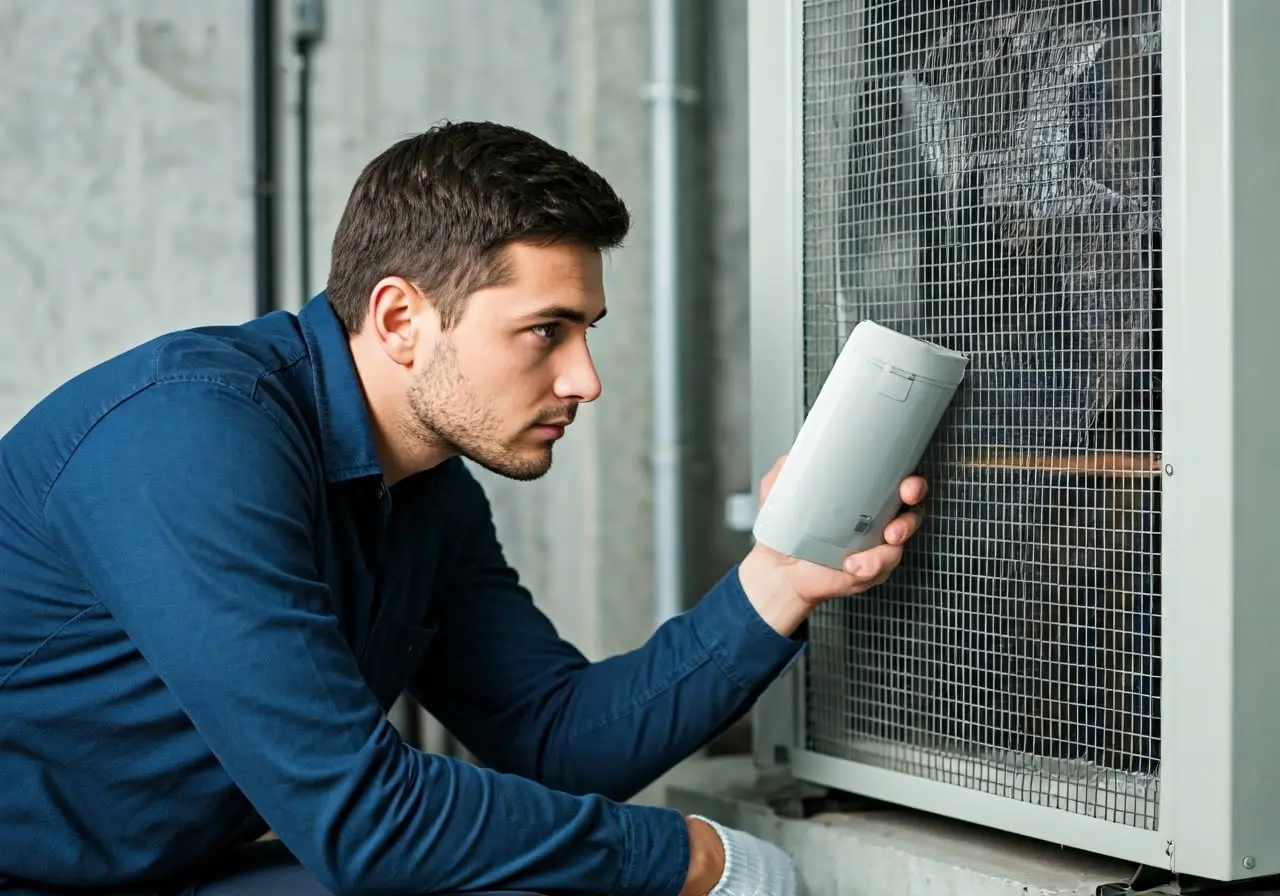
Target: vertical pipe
point(304, 170)
point(264, 155)
point(308, 29)
point(668, 497)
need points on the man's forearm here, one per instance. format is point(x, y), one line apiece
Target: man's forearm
point(527, 702)
point(621, 723)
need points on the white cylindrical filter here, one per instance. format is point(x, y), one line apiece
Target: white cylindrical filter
point(874, 417)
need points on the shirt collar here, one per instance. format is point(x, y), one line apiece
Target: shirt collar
point(346, 432)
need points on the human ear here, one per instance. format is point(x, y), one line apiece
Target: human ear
point(400, 317)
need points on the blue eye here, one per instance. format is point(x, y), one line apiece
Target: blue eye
point(546, 331)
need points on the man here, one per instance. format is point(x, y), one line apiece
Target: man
point(226, 552)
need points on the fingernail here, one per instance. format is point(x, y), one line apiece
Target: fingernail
point(852, 567)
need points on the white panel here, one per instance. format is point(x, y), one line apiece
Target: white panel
point(1254, 126)
point(776, 229)
point(1197, 568)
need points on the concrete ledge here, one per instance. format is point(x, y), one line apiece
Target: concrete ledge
point(876, 850)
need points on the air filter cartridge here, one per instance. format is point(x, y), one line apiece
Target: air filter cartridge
point(868, 429)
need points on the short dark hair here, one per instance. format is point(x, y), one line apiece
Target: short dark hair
point(440, 207)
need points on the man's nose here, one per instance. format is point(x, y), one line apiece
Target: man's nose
point(578, 380)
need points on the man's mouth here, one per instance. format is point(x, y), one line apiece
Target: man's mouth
point(550, 430)
point(558, 422)
point(553, 427)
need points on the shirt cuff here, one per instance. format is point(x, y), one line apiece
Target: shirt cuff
point(745, 647)
point(656, 860)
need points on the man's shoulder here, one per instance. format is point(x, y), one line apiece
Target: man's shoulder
point(239, 358)
point(263, 362)
point(260, 360)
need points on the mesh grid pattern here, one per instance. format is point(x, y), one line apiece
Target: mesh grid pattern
point(986, 175)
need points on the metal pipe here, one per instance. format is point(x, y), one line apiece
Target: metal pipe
point(264, 156)
point(664, 96)
point(304, 171)
point(309, 16)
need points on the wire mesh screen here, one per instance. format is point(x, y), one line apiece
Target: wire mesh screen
point(986, 175)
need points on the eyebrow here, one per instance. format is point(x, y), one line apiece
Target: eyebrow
point(560, 312)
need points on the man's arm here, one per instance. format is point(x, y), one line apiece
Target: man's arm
point(525, 701)
point(189, 511)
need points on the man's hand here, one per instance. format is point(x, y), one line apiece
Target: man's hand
point(785, 590)
point(725, 862)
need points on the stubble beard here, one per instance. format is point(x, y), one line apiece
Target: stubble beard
point(445, 413)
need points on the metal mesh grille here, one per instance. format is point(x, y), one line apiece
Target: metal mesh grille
point(986, 175)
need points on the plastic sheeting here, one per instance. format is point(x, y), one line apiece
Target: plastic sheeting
point(1000, 195)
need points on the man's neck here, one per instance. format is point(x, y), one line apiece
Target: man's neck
point(401, 452)
point(401, 457)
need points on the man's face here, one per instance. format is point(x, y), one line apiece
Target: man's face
point(502, 384)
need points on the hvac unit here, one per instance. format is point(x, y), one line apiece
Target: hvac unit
point(1081, 643)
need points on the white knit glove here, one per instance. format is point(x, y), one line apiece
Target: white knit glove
point(753, 867)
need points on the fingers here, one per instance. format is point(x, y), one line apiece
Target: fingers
point(873, 567)
point(766, 481)
point(913, 490)
point(902, 528)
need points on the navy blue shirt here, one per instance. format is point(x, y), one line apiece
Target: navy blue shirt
point(209, 599)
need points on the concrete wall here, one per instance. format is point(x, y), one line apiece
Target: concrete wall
point(125, 141)
point(124, 180)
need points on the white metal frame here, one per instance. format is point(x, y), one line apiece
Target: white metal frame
point(1220, 772)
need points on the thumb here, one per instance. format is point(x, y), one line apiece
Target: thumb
point(766, 482)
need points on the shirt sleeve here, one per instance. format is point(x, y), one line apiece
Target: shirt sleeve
point(524, 700)
point(189, 510)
